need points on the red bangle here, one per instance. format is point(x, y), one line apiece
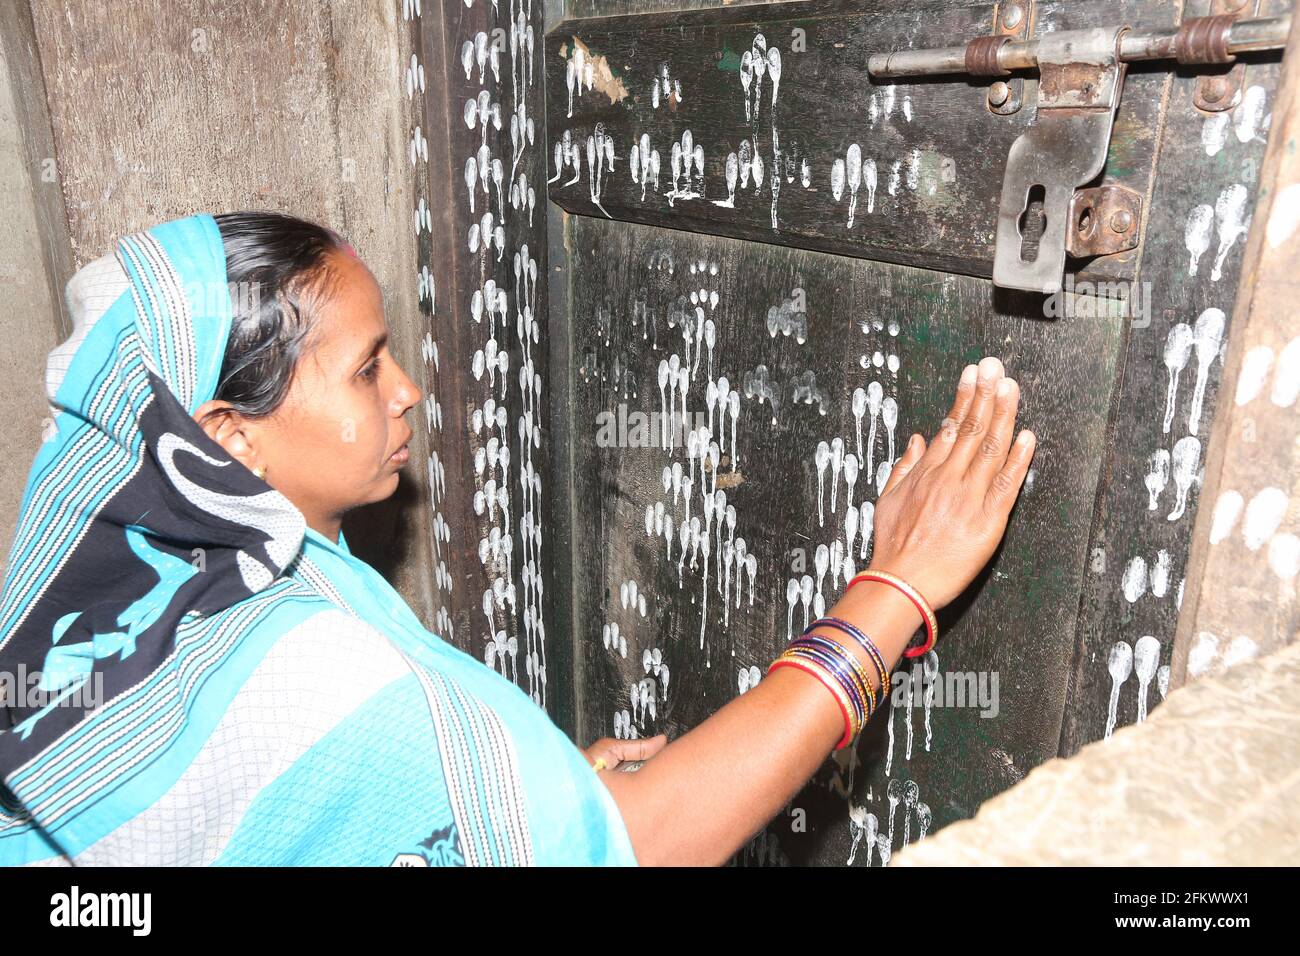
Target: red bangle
point(848, 722)
point(912, 594)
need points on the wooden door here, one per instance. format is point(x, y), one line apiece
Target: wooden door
point(741, 201)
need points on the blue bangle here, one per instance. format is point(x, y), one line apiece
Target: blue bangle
point(842, 669)
point(856, 633)
point(842, 653)
point(866, 643)
point(839, 670)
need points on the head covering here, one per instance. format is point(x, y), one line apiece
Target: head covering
point(132, 517)
point(158, 594)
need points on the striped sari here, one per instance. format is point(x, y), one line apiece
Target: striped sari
point(189, 675)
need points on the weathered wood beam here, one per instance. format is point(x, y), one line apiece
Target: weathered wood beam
point(698, 121)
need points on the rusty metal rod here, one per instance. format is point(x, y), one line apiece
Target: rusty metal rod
point(1244, 36)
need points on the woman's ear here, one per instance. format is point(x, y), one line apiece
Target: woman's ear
point(230, 430)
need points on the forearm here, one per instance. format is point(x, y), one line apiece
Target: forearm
point(709, 791)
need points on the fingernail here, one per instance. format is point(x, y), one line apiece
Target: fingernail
point(1004, 388)
point(1025, 438)
point(968, 374)
point(987, 367)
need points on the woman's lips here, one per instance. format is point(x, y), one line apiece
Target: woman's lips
point(401, 456)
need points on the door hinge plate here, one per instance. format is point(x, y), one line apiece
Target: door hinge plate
point(1104, 220)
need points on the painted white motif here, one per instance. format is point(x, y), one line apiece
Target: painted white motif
point(1232, 222)
point(1214, 132)
point(864, 829)
point(1178, 349)
point(1120, 666)
point(1160, 574)
point(821, 459)
point(1284, 217)
point(1284, 555)
point(1202, 653)
point(1240, 649)
point(1207, 338)
point(1146, 658)
point(1196, 235)
point(1186, 460)
point(1226, 512)
point(666, 89)
point(1255, 366)
point(930, 669)
point(1264, 514)
point(875, 402)
point(1157, 477)
point(747, 678)
point(1248, 115)
point(1286, 375)
point(867, 516)
point(1134, 581)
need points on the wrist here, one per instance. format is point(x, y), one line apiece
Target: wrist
point(885, 614)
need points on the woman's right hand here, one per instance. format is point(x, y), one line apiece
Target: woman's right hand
point(945, 507)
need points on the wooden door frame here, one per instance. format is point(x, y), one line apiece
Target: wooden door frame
point(1232, 583)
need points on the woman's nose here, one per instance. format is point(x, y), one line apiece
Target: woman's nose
point(407, 394)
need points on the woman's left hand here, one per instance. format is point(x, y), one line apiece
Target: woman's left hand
point(614, 751)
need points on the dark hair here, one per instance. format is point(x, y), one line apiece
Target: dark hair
point(278, 273)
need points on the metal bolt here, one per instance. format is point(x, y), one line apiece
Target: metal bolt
point(999, 92)
point(1215, 90)
point(1012, 16)
point(1121, 221)
point(1087, 224)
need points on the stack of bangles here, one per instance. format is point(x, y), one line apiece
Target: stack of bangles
point(840, 671)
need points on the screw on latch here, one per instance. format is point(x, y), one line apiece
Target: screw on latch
point(1122, 221)
point(998, 93)
point(1215, 89)
point(1012, 16)
point(1086, 223)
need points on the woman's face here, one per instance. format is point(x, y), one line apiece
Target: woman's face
point(339, 438)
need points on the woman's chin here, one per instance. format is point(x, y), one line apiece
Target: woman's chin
point(382, 489)
point(388, 487)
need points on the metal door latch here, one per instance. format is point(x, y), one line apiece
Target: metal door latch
point(1081, 75)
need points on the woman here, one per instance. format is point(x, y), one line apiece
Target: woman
point(221, 681)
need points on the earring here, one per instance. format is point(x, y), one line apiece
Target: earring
point(260, 472)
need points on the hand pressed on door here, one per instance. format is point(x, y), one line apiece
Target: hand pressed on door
point(945, 507)
point(938, 521)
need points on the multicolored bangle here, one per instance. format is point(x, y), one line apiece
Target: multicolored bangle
point(877, 659)
point(819, 672)
point(855, 725)
point(838, 669)
point(913, 595)
point(815, 643)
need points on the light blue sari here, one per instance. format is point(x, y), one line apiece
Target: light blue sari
point(220, 684)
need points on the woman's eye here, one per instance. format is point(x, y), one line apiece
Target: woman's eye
point(371, 371)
